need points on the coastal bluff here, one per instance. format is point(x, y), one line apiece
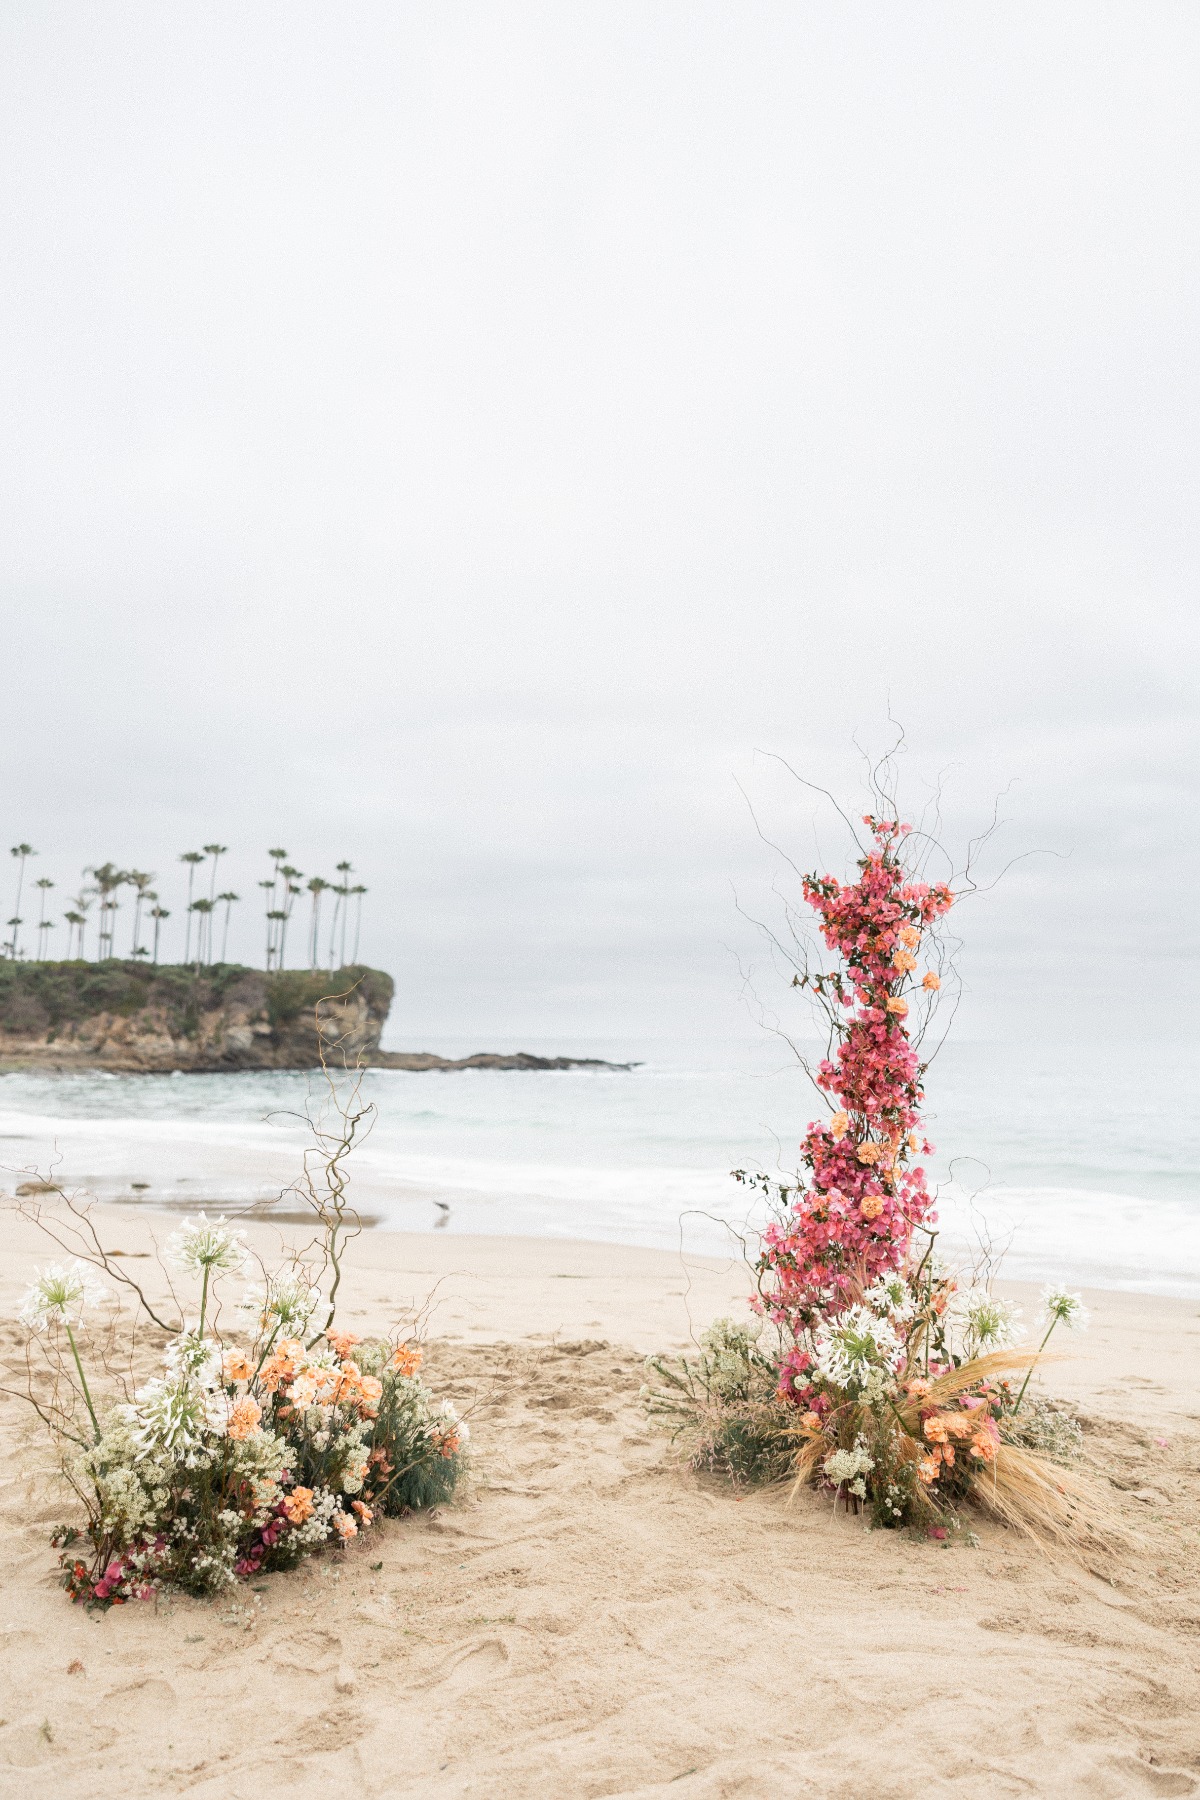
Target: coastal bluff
point(134, 1019)
point(131, 1018)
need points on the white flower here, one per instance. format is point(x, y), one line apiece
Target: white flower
point(207, 1246)
point(980, 1322)
point(284, 1305)
point(194, 1358)
point(890, 1294)
point(447, 1413)
point(176, 1415)
point(850, 1347)
point(850, 1465)
point(59, 1296)
point(1061, 1307)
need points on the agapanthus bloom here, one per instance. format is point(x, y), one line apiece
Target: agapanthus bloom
point(177, 1415)
point(60, 1296)
point(286, 1303)
point(980, 1322)
point(848, 1349)
point(1061, 1307)
point(204, 1246)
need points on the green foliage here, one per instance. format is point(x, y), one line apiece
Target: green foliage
point(40, 999)
point(724, 1405)
point(292, 992)
point(1046, 1427)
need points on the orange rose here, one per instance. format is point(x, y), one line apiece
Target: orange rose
point(838, 1126)
point(868, 1153)
point(898, 1006)
point(406, 1359)
point(871, 1207)
point(932, 982)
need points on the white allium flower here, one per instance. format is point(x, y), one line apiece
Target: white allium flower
point(285, 1304)
point(207, 1246)
point(1061, 1307)
point(851, 1346)
point(176, 1415)
point(60, 1296)
point(890, 1294)
point(194, 1358)
point(980, 1322)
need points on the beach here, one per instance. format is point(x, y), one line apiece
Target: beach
point(591, 1618)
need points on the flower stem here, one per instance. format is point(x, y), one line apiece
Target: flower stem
point(83, 1379)
point(203, 1301)
point(1033, 1366)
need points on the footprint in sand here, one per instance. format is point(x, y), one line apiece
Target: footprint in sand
point(480, 1662)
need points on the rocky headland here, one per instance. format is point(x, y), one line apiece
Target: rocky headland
point(134, 1019)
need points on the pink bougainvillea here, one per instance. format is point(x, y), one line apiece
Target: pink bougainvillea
point(854, 1218)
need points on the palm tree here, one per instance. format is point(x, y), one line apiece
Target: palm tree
point(75, 922)
point(358, 893)
point(268, 888)
point(108, 878)
point(216, 851)
point(158, 914)
point(288, 875)
point(22, 852)
point(192, 858)
point(82, 903)
point(341, 889)
point(204, 910)
point(139, 880)
point(316, 888)
point(43, 885)
point(278, 858)
point(229, 900)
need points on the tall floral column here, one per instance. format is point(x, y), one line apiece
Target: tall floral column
point(854, 1218)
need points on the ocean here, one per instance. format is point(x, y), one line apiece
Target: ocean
point(1076, 1161)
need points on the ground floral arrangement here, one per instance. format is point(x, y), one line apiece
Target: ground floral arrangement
point(258, 1442)
point(872, 1371)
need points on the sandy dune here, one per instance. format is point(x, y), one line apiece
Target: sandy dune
point(593, 1620)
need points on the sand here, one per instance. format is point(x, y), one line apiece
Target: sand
point(594, 1620)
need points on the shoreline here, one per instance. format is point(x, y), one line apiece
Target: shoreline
point(594, 1619)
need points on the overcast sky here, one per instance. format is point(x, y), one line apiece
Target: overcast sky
point(461, 438)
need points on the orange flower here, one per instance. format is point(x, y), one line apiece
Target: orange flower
point(932, 982)
point(904, 960)
point(811, 1422)
point(299, 1505)
point(898, 1006)
point(868, 1152)
point(928, 1469)
point(343, 1341)
point(237, 1365)
point(912, 1140)
point(406, 1359)
point(364, 1512)
point(838, 1126)
point(370, 1393)
point(244, 1417)
point(917, 1387)
point(872, 1206)
point(910, 936)
point(345, 1527)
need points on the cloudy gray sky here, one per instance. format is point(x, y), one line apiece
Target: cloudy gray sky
point(461, 437)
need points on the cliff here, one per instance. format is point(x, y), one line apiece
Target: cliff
point(125, 1016)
